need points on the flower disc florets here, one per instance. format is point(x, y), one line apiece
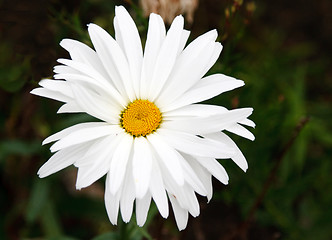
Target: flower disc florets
point(140, 118)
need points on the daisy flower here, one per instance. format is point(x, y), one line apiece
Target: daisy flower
point(153, 140)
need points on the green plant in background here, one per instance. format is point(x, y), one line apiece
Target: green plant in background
point(285, 83)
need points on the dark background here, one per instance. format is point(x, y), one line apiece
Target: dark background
point(281, 49)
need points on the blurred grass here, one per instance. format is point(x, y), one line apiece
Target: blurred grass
point(287, 75)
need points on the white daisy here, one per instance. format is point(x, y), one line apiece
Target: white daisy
point(153, 140)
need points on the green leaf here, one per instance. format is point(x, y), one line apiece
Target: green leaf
point(12, 75)
point(50, 221)
point(37, 200)
point(62, 238)
point(108, 236)
point(18, 147)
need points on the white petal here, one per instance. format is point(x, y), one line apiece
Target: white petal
point(142, 165)
point(128, 195)
point(181, 215)
point(89, 85)
point(142, 208)
point(215, 168)
point(65, 132)
point(86, 161)
point(167, 57)
point(114, 60)
point(84, 80)
point(82, 53)
point(247, 122)
point(207, 88)
point(63, 69)
point(70, 107)
point(203, 174)
point(85, 135)
point(185, 75)
point(203, 125)
point(241, 131)
point(101, 154)
point(199, 43)
point(216, 53)
point(192, 179)
point(184, 38)
point(57, 86)
point(169, 156)
point(61, 160)
point(119, 162)
point(92, 73)
point(43, 92)
point(132, 45)
point(195, 145)
point(196, 110)
point(112, 202)
point(175, 189)
point(99, 147)
point(238, 158)
point(118, 36)
point(84, 180)
point(155, 37)
point(95, 105)
point(193, 205)
point(189, 64)
point(157, 190)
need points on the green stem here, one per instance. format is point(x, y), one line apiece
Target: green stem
point(123, 231)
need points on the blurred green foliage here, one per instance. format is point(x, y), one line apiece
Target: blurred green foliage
point(11, 75)
point(287, 79)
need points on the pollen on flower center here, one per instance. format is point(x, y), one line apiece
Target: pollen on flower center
point(140, 118)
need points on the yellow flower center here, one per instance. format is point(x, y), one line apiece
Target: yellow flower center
point(140, 118)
